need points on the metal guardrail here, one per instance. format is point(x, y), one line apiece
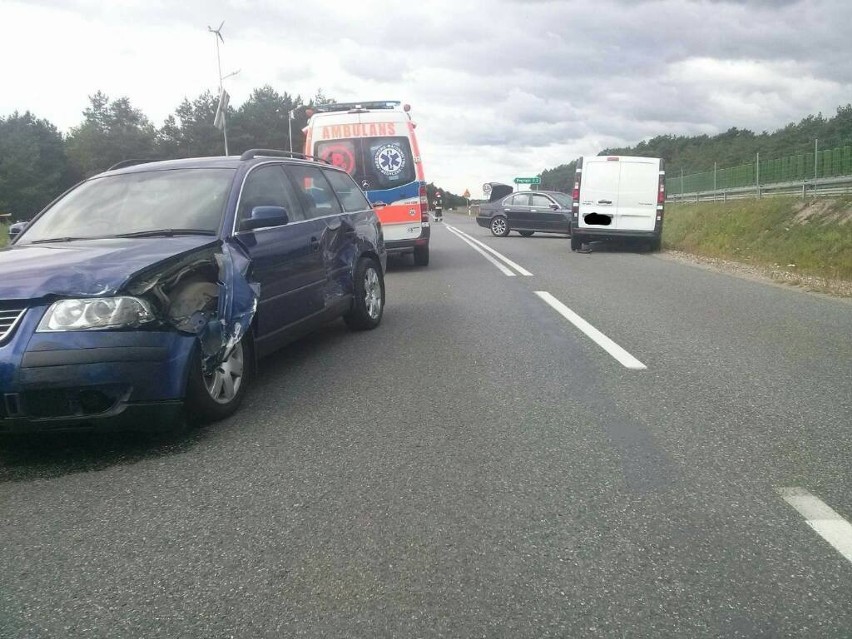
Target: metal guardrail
point(822, 187)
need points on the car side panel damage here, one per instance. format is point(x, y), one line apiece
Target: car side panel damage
point(207, 293)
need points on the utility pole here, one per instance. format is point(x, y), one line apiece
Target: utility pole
point(221, 112)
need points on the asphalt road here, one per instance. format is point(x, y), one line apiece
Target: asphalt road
point(476, 467)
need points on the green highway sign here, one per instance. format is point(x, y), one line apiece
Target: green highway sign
point(532, 180)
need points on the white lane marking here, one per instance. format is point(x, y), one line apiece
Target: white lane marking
point(502, 268)
point(822, 518)
point(520, 269)
point(625, 358)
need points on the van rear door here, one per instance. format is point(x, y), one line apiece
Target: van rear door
point(599, 192)
point(636, 207)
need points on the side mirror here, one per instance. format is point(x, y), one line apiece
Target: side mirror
point(262, 216)
point(555, 207)
point(15, 229)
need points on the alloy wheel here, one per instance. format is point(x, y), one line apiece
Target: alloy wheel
point(372, 293)
point(224, 382)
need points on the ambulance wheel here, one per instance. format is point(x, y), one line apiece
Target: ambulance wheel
point(575, 243)
point(421, 255)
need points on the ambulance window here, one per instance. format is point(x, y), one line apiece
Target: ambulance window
point(340, 153)
point(387, 162)
point(375, 163)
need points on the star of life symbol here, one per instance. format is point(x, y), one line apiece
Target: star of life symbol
point(389, 159)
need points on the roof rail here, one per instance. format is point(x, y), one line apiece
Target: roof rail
point(350, 106)
point(274, 153)
point(124, 163)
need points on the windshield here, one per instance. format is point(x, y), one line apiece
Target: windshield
point(186, 199)
point(376, 163)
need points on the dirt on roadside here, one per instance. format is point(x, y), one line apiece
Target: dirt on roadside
point(768, 275)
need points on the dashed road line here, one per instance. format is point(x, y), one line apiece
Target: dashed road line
point(624, 358)
point(827, 523)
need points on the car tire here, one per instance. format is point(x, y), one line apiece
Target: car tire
point(576, 243)
point(499, 226)
point(213, 397)
point(369, 303)
point(421, 255)
point(526, 233)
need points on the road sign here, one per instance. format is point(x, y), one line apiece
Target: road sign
point(466, 193)
point(529, 180)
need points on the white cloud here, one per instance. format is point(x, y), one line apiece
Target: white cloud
point(498, 90)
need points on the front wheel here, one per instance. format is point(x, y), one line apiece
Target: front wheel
point(369, 303)
point(500, 226)
point(526, 233)
point(216, 394)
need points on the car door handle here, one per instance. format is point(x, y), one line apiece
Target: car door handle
point(604, 201)
point(314, 245)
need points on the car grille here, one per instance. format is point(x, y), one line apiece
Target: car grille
point(9, 318)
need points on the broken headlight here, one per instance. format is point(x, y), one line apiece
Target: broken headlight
point(94, 313)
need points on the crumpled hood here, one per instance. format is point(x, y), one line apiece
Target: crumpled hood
point(87, 267)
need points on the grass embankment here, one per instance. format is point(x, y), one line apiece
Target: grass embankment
point(4, 235)
point(811, 238)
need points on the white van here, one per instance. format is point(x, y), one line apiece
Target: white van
point(618, 196)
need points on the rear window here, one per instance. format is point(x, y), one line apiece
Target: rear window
point(375, 163)
point(316, 193)
point(350, 196)
point(563, 200)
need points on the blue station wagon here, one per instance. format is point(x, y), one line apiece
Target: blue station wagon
point(146, 294)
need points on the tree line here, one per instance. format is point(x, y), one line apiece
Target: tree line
point(735, 146)
point(38, 162)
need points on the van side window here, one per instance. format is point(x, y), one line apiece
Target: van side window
point(350, 196)
point(316, 193)
point(268, 186)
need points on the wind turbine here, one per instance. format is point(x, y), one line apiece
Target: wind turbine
point(219, 120)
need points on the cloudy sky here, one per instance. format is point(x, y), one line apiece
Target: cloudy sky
point(499, 89)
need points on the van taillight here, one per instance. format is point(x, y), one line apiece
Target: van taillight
point(661, 191)
point(575, 194)
point(424, 205)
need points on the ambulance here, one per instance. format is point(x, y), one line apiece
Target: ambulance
point(375, 143)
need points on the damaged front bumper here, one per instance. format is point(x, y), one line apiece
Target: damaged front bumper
point(133, 378)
